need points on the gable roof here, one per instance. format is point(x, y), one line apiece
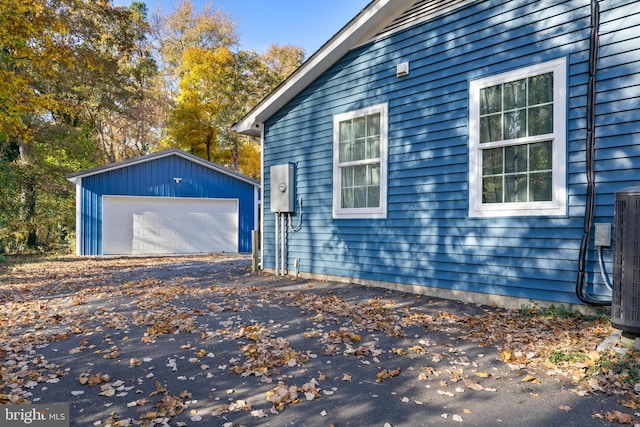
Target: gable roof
point(378, 19)
point(73, 177)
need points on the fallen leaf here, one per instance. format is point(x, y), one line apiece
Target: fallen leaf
point(258, 413)
point(531, 379)
point(618, 417)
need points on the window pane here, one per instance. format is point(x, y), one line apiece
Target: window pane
point(540, 156)
point(346, 139)
point(492, 190)
point(541, 89)
point(540, 187)
point(373, 125)
point(491, 99)
point(359, 127)
point(373, 174)
point(358, 150)
point(373, 147)
point(492, 161)
point(515, 124)
point(515, 188)
point(347, 198)
point(491, 128)
point(541, 120)
point(345, 152)
point(359, 176)
point(360, 197)
point(345, 131)
point(515, 159)
point(515, 94)
point(347, 177)
point(360, 186)
point(373, 196)
point(517, 174)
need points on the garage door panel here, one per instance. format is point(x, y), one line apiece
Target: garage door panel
point(158, 225)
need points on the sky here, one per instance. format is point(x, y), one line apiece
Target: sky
point(305, 23)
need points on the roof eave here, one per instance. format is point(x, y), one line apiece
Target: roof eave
point(75, 176)
point(375, 16)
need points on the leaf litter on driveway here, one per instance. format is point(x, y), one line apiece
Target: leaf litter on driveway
point(198, 340)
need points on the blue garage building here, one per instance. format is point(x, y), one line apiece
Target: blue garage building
point(170, 202)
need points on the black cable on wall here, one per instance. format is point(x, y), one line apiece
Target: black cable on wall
point(581, 284)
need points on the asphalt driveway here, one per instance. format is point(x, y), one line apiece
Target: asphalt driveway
point(199, 341)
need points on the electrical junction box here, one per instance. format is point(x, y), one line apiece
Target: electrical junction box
point(603, 235)
point(282, 187)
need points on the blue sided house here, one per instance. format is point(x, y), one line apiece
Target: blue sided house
point(467, 149)
point(170, 202)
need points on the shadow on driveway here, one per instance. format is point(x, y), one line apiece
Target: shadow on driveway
point(200, 341)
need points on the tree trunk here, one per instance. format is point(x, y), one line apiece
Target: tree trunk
point(28, 194)
point(207, 145)
point(236, 152)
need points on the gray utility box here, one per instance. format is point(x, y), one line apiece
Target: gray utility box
point(281, 189)
point(625, 304)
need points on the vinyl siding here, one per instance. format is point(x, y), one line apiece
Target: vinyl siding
point(155, 178)
point(427, 238)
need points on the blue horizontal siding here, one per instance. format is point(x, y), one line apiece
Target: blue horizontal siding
point(155, 178)
point(427, 238)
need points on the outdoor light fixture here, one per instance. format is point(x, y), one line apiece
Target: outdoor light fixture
point(177, 180)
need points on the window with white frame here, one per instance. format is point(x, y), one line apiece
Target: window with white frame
point(517, 142)
point(360, 163)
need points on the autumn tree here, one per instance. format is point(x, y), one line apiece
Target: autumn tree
point(113, 89)
point(83, 83)
point(255, 77)
point(204, 102)
point(67, 67)
point(278, 63)
point(184, 29)
point(30, 52)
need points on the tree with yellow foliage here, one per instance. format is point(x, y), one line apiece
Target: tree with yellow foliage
point(204, 102)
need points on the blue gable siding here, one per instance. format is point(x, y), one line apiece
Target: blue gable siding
point(428, 238)
point(155, 178)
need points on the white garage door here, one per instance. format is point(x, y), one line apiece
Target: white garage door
point(167, 225)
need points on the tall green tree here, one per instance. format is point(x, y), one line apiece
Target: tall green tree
point(117, 78)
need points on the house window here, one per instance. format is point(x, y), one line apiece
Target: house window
point(360, 163)
point(517, 142)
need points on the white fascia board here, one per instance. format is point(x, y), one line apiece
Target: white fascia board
point(78, 182)
point(75, 177)
point(358, 31)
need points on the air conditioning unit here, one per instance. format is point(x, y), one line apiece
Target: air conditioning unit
point(625, 304)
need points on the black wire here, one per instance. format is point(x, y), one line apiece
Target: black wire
point(581, 285)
